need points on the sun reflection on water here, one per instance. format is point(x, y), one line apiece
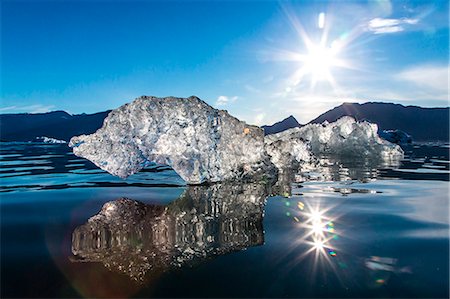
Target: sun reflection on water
point(318, 244)
point(317, 231)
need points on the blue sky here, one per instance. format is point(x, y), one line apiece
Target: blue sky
point(260, 60)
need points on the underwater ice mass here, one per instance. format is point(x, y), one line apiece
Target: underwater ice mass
point(205, 145)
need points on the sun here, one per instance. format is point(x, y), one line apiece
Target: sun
point(318, 62)
point(319, 57)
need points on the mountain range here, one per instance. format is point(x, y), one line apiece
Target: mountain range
point(57, 124)
point(424, 124)
point(280, 126)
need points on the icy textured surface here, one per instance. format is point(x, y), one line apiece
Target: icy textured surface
point(138, 239)
point(288, 151)
point(343, 138)
point(203, 144)
point(199, 142)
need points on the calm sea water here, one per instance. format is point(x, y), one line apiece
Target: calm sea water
point(351, 230)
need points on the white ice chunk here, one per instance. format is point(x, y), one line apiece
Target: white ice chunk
point(343, 138)
point(45, 139)
point(200, 143)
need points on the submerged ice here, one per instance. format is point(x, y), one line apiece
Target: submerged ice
point(203, 144)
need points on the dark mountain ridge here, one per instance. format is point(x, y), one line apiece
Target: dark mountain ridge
point(56, 124)
point(280, 126)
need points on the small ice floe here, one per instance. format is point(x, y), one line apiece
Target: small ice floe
point(396, 136)
point(45, 139)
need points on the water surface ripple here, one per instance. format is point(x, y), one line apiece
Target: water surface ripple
point(350, 229)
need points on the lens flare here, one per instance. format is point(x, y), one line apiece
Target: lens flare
point(321, 20)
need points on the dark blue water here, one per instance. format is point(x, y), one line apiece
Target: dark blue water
point(345, 231)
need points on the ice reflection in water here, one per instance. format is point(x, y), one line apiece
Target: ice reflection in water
point(378, 214)
point(345, 169)
point(206, 221)
point(138, 239)
point(144, 241)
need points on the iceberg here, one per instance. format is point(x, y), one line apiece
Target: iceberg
point(345, 137)
point(203, 144)
point(287, 151)
point(200, 143)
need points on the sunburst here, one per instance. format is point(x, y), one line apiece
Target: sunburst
point(317, 60)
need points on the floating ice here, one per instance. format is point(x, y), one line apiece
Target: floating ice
point(396, 136)
point(45, 139)
point(345, 137)
point(288, 151)
point(203, 144)
point(199, 142)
